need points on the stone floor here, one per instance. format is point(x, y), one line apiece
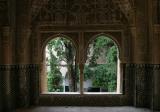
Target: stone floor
point(85, 109)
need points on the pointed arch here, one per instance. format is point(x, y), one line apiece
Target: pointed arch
point(59, 64)
point(102, 69)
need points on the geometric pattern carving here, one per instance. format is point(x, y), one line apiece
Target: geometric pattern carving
point(7, 88)
point(1, 93)
point(143, 89)
point(129, 81)
point(19, 82)
point(140, 85)
point(156, 98)
point(90, 100)
point(85, 100)
point(84, 12)
point(126, 6)
point(28, 79)
point(28, 76)
point(36, 5)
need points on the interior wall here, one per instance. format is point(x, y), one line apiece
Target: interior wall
point(20, 48)
point(156, 61)
point(81, 28)
point(155, 53)
point(81, 37)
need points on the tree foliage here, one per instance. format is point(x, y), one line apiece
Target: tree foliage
point(60, 49)
point(102, 75)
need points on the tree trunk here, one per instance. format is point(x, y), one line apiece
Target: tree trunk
point(70, 67)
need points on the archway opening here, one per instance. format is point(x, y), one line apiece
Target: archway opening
point(102, 67)
point(60, 67)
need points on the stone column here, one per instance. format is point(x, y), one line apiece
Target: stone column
point(156, 70)
point(1, 97)
point(23, 51)
point(81, 60)
point(1, 94)
point(81, 68)
point(129, 82)
point(1, 91)
point(141, 43)
point(39, 59)
point(23, 32)
point(44, 87)
point(6, 73)
point(156, 88)
point(6, 45)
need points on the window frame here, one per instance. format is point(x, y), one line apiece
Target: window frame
point(81, 92)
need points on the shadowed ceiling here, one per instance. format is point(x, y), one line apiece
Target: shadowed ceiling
point(126, 6)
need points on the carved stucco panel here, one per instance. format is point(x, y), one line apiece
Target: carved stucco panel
point(75, 12)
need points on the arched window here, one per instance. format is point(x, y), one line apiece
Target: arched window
point(101, 73)
point(60, 67)
point(102, 67)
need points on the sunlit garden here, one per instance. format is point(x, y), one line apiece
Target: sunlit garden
point(100, 71)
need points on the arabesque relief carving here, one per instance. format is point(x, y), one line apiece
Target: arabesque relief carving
point(84, 12)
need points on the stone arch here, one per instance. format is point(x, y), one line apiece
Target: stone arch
point(54, 37)
point(119, 74)
point(108, 36)
point(43, 87)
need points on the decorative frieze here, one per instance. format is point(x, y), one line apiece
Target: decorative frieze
point(84, 12)
point(144, 84)
point(92, 100)
point(1, 94)
point(20, 82)
point(28, 76)
point(138, 87)
point(156, 88)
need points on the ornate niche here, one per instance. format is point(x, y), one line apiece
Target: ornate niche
point(81, 12)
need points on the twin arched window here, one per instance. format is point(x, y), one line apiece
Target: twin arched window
point(101, 72)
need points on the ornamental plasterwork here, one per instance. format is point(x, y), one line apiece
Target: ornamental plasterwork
point(81, 12)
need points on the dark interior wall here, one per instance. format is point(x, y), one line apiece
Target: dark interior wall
point(156, 61)
point(1, 94)
point(117, 33)
point(156, 54)
point(4, 47)
point(20, 50)
point(81, 33)
point(142, 64)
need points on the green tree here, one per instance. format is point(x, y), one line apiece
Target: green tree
point(54, 75)
point(102, 75)
point(64, 51)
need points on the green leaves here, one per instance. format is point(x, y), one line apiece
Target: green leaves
point(101, 67)
point(102, 72)
point(111, 55)
point(60, 50)
point(103, 75)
